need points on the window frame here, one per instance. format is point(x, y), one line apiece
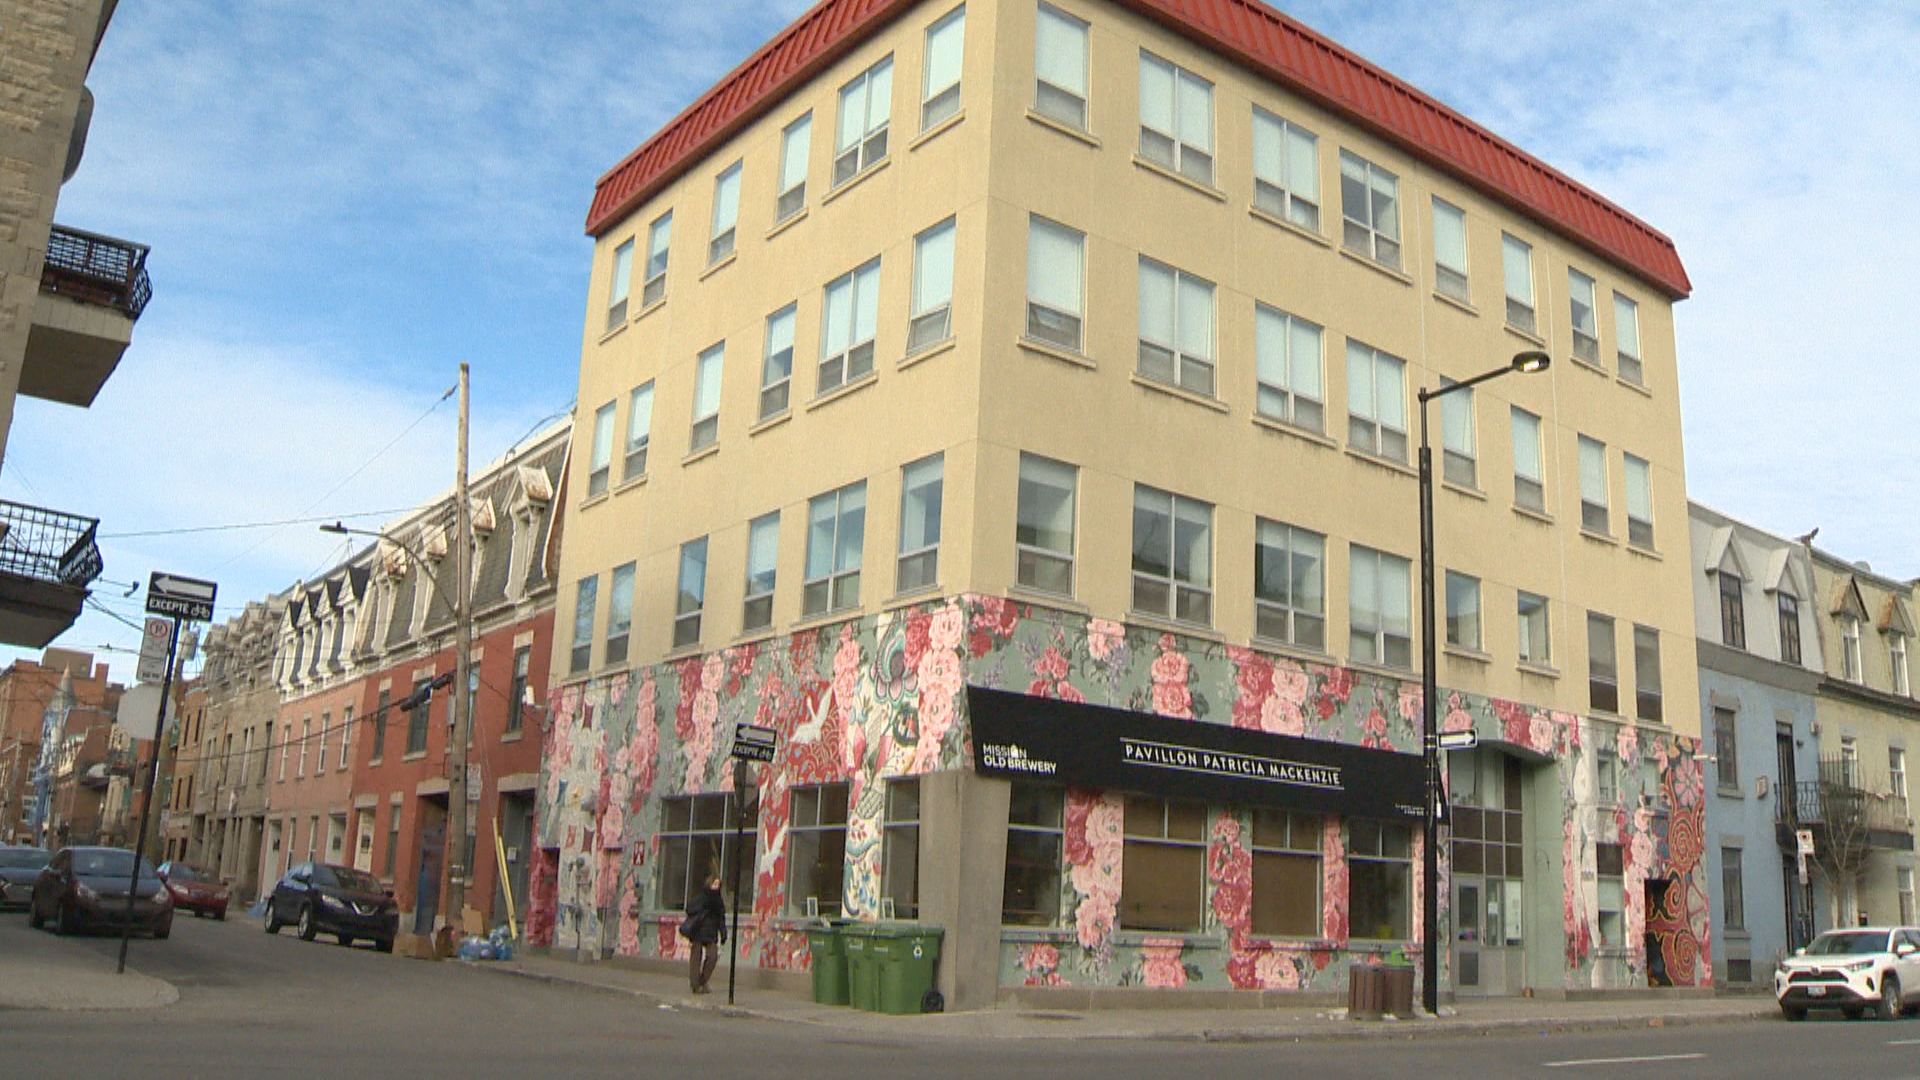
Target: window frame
point(586, 600)
point(1726, 748)
point(1529, 491)
point(1733, 609)
point(1522, 312)
point(796, 140)
point(894, 831)
point(1280, 196)
point(1365, 236)
point(1178, 588)
point(620, 613)
point(1459, 439)
point(1037, 310)
point(938, 104)
point(1648, 695)
point(776, 394)
point(673, 833)
point(1368, 433)
point(1285, 608)
point(639, 432)
point(928, 553)
point(1051, 106)
point(1177, 358)
point(756, 604)
point(1362, 854)
point(1470, 586)
point(1191, 160)
point(1852, 656)
point(1787, 611)
point(1628, 364)
point(517, 693)
point(1380, 630)
point(1583, 318)
point(869, 147)
point(726, 206)
point(853, 360)
point(930, 320)
point(653, 287)
point(819, 827)
point(600, 461)
point(1638, 474)
point(1291, 848)
point(1596, 517)
point(1451, 281)
point(620, 284)
point(705, 429)
point(689, 604)
point(1545, 609)
point(1603, 666)
point(1269, 321)
point(1046, 833)
point(828, 586)
point(1034, 554)
point(1192, 847)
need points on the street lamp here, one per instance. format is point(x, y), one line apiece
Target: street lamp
point(1528, 362)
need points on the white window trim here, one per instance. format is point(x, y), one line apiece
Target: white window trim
point(869, 148)
point(1191, 160)
point(1041, 103)
point(1368, 239)
point(856, 359)
point(1179, 359)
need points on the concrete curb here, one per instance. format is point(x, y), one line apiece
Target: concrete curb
point(39, 988)
point(1323, 1031)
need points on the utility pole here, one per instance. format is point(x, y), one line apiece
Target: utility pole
point(455, 892)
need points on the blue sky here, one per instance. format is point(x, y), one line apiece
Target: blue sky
point(346, 200)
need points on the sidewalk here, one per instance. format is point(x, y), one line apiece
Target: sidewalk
point(41, 971)
point(1187, 1025)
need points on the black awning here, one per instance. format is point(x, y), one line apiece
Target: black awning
point(1019, 737)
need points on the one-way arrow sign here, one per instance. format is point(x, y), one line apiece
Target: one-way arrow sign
point(1458, 740)
point(185, 598)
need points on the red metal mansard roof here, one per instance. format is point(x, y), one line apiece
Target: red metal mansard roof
point(1247, 31)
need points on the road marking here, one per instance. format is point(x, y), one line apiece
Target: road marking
point(1622, 1060)
point(1905, 1042)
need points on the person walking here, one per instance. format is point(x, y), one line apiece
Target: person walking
point(706, 928)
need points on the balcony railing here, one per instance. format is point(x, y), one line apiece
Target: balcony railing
point(48, 546)
point(1841, 801)
point(97, 269)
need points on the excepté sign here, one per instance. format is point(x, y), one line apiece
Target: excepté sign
point(184, 598)
point(751, 743)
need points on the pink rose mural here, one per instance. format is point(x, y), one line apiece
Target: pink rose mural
point(1170, 672)
point(1093, 843)
point(1041, 963)
point(1160, 963)
point(1334, 884)
point(1230, 872)
point(1106, 639)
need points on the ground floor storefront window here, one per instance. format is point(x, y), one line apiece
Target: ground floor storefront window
point(696, 840)
point(816, 850)
point(1380, 875)
point(1287, 873)
point(900, 852)
point(1031, 896)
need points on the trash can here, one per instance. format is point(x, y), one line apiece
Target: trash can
point(1398, 986)
point(1366, 991)
point(863, 974)
point(827, 947)
point(907, 956)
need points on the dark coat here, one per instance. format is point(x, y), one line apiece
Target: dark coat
point(706, 918)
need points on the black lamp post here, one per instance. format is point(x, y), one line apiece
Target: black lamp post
point(1527, 363)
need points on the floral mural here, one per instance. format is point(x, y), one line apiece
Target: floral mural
point(881, 697)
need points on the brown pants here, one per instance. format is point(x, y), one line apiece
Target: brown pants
point(701, 962)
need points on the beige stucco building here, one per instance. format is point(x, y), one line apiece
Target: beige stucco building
point(1098, 323)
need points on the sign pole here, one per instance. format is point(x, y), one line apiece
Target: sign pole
point(146, 806)
point(740, 781)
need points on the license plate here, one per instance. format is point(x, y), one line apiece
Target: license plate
point(1816, 991)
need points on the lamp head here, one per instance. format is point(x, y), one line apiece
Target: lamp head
point(1532, 361)
point(338, 528)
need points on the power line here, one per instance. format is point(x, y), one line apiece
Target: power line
point(252, 524)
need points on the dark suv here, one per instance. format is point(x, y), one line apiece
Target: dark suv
point(321, 898)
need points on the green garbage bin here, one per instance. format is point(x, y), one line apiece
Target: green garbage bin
point(828, 949)
point(907, 955)
point(863, 974)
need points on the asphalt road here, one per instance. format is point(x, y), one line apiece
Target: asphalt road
point(257, 1005)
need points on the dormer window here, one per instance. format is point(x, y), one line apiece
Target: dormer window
point(1733, 611)
point(1850, 666)
point(1897, 662)
point(1789, 627)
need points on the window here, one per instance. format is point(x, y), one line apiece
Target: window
point(517, 691)
point(1646, 673)
point(763, 549)
point(1055, 266)
point(1528, 489)
point(1176, 327)
point(619, 612)
point(1732, 891)
point(1176, 118)
point(306, 733)
point(420, 715)
point(940, 92)
point(692, 595)
point(1849, 761)
point(1536, 639)
point(1897, 776)
point(776, 366)
point(1639, 502)
point(1594, 516)
point(1603, 669)
point(1286, 170)
point(861, 141)
point(816, 849)
point(1733, 610)
point(1060, 67)
point(1380, 881)
point(1586, 332)
point(1463, 611)
point(1163, 878)
point(1289, 585)
point(836, 531)
point(1379, 621)
point(1850, 664)
point(1172, 556)
point(1789, 607)
point(920, 489)
point(847, 327)
point(585, 597)
point(346, 738)
point(1608, 871)
point(697, 834)
point(1516, 260)
point(706, 397)
point(621, 285)
point(320, 749)
point(1030, 895)
point(1626, 334)
point(1897, 663)
point(931, 319)
point(1450, 250)
point(1726, 748)
point(1288, 368)
point(726, 214)
point(900, 851)
point(602, 465)
point(1369, 210)
point(1376, 402)
point(380, 708)
point(1043, 525)
point(1286, 873)
point(659, 236)
point(1457, 462)
point(639, 431)
point(796, 141)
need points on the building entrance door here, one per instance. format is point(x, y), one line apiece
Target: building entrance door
point(433, 844)
point(1487, 792)
point(516, 836)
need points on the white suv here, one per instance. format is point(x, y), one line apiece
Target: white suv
point(1850, 970)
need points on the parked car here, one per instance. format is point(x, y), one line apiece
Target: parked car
point(85, 887)
point(194, 889)
point(317, 898)
point(1851, 970)
point(19, 866)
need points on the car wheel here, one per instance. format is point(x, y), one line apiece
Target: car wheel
point(273, 924)
point(34, 918)
point(1891, 1006)
point(305, 927)
point(1793, 1012)
point(384, 945)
